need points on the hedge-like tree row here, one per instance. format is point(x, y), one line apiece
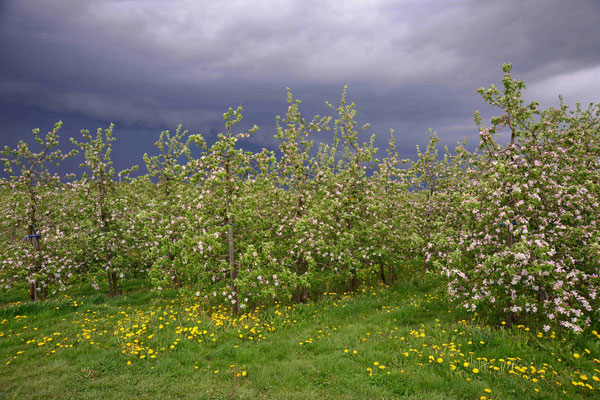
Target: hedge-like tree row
point(511, 227)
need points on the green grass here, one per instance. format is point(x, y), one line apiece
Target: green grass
point(141, 345)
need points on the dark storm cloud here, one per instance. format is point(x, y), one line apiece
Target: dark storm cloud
point(411, 65)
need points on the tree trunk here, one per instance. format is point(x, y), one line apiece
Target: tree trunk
point(114, 283)
point(353, 284)
point(298, 288)
point(110, 287)
point(427, 264)
point(32, 290)
point(382, 272)
point(235, 307)
point(233, 274)
point(510, 318)
point(37, 261)
point(392, 273)
point(113, 288)
point(109, 274)
point(301, 292)
point(353, 281)
point(542, 295)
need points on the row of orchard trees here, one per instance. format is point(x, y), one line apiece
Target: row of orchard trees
point(510, 226)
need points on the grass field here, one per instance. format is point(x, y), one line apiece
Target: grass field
point(404, 341)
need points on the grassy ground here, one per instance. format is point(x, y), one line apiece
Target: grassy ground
point(400, 342)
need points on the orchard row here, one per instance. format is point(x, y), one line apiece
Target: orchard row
point(510, 227)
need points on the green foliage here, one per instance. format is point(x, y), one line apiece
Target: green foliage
point(511, 227)
point(29, 197)
point(101, 216)
point(525, 239)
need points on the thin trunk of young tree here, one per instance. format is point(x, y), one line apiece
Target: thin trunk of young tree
point(353, 284)
point(233, 273)
point(33, 293)
point(35, 243)
point(173, 271)
point(111, 276)
point(392, 273)
point(391, 266)
point(301, 291)
point(301, 267)
point(110, 288)
point(428, 227)
point(115, 284)
point(32, 290)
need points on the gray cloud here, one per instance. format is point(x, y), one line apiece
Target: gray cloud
point(411, 65)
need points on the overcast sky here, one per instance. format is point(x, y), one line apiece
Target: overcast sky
point(411, 66)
